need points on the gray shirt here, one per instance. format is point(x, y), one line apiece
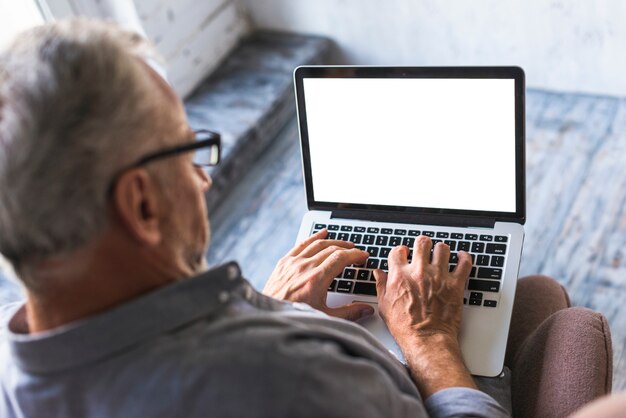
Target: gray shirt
point(212, 346)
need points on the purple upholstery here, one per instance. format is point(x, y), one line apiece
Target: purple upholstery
point(560, 357)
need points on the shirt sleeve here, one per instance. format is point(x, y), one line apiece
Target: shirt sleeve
point(463, 402)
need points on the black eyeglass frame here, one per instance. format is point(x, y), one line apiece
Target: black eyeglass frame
point(214, 139)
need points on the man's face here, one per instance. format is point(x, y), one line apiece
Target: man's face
point(185, 220)
point(186, 223)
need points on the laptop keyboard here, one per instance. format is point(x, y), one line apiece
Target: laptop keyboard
point(488, 252)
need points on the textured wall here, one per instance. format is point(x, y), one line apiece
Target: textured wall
point(563, 45)
point(193, 35)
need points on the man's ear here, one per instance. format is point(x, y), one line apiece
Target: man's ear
point(137, 204)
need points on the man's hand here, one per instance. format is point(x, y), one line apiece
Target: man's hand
point(422, 298)
point(305, 273)
point(422, 303)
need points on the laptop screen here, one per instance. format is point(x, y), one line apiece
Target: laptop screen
point(442, 143)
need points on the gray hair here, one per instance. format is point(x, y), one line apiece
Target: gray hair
point(73, 107)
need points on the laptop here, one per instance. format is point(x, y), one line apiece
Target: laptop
point(392, 153)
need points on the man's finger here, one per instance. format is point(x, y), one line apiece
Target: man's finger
point(398, 256)
point(301, 246)
point(338, 260)
point(351, 312)
point(320, 245)
point(320, 257)
point(441, 255)
point(381, 283)
point(463, 267)
point(421, 251)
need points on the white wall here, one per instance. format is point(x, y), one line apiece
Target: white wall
point(192, 35)
point(16, 17)
point(562, 44)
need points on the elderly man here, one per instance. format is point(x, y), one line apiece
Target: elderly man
point(102, 214)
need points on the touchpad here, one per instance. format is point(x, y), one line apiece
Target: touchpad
point(377, 326)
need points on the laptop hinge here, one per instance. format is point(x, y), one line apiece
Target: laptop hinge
point(413, 218)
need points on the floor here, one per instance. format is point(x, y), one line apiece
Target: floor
point(576, 192)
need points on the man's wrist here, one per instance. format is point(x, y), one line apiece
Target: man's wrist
point(435, 362)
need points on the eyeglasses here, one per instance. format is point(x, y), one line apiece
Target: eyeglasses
point(207, 150)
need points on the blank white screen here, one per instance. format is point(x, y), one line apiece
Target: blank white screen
point(433, 143)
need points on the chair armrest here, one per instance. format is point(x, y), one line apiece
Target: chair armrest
point(564, 364)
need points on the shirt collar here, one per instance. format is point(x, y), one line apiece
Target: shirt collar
point(87, 340)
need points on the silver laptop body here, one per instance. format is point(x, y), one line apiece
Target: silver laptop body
point(391, 153)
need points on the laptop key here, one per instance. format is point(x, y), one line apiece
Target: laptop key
point(484, 285)
point(359, 229)
point(373, 251)
point(428, 233)
point(384, 265)
point(489, 273)
point(343, 236)
point(400, 231)
point(451, 244)
point(497, 261)
point(344, 286)
point(386, 231)
point(443, 234)
point(349, 273)
point(478, 247)
point(471, 237)
point(372, 263)
point(381, 240)
point(356, 238)
point(456, 235)
point(384, 252)
point(408, 241)
point(501, 238)
point(347, 228)
point(395, 241)
point(413, 233)
point(463, 246)
point(373, 230)
point(482, 260)
point(333, 227)
point(332, 286)
point(319, 226)
point(475, 302)
point(369, 239)
point(362, 288)
point(332, 235)
point(496, 248)
point(454, 258)
point(363, 275)
point(490, 303)
point(486, 238)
